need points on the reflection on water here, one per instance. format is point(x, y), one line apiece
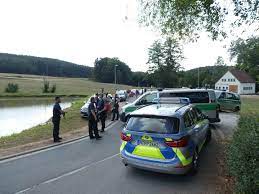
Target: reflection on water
point(16, 118)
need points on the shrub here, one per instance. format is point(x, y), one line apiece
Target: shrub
point(12, 88)
point(243, 155)
point(45, 88)
point(53, 89)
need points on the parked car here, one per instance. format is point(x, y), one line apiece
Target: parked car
point(84, 109)
point(204, 99)
point(122, 95)
point(228, 100)
point(165, 138)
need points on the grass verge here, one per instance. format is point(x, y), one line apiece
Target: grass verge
point(71, 122)
point(242, 151)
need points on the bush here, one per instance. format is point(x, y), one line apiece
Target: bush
point(12, 88)
point(45, 88)
point(243, 155)
point(53, 89)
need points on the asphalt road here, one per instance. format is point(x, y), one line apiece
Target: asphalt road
point(90, 166)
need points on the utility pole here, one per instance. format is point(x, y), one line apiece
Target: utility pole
point(198, 77)
point(115, 75)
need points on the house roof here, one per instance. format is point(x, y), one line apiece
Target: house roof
point(242, 76)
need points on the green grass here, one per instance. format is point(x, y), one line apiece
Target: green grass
point(71, 122)
point(250, 105)
point(31, 85)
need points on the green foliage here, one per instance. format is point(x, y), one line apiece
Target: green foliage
point(186, 18)
point(47, 87)
point(104, 70)
point(12, 88)
point(20, 64)
point(53, 89)
point(247, 55)
point(209, 75)
point(164, 57)
point(242, 155)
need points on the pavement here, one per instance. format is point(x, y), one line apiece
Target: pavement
point(91, 166)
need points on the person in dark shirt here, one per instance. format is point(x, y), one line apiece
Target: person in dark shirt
point(57, 112)
point(92, 120)
point(115, 108)
point(102, 111)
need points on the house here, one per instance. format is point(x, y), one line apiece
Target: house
point(236, 81)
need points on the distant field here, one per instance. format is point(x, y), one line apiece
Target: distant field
point(31, 85)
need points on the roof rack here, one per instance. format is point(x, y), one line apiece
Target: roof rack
point(172, 100)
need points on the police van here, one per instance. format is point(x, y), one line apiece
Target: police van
point(204, 99)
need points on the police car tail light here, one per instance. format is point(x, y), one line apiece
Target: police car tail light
point(178, 143)
point(125, 137)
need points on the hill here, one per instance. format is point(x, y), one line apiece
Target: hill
point(209, 75)
point(21, 64)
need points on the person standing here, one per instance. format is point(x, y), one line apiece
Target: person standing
point(57, 112)
point(92, 120)
point(115, 108)
point(102, 111)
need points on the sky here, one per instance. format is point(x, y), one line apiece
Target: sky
point(80, 31)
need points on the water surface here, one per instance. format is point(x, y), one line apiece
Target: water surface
point(17, 115)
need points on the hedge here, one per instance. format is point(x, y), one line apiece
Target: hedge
point(243, 155)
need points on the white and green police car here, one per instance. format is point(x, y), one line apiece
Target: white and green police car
point(204, 99)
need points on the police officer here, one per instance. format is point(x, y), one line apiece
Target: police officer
point(102, 111)
point(92, 120)
point(57, 112)
point(115, 108)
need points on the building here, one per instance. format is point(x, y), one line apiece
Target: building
point(236, 81)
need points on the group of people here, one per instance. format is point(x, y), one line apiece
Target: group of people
point(97, 111)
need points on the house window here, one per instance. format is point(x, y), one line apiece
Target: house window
point(222, 80)
point(226, 88)
point(219, 88)
point(223, 88)
point(234, 80)
point(247, 88)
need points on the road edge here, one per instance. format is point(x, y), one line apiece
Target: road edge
point(46, 147)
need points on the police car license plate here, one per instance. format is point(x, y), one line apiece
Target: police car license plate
point(149, 143)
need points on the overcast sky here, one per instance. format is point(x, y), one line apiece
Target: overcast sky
point(81, 30)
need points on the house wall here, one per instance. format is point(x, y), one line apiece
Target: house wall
point(247, 88)
point(226, 80)
point(229, 81)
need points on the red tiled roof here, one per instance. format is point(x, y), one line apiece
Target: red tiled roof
point(242, 76)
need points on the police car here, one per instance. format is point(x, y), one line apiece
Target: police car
point(165, 137)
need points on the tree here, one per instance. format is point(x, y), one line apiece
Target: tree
point(104, 71)
point(21, 64)
point(246, 53)
point(164, 57)
point(186, 18)
point(220, 61)
point(155, 56)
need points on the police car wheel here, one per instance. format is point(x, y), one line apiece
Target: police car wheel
point(195, 163)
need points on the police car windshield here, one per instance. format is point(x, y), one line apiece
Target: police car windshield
point(163, 125)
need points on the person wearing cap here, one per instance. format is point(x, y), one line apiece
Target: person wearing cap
point(57, 112)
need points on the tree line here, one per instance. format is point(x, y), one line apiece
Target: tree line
point(20, 64)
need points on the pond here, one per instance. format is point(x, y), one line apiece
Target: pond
point(17, 115)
